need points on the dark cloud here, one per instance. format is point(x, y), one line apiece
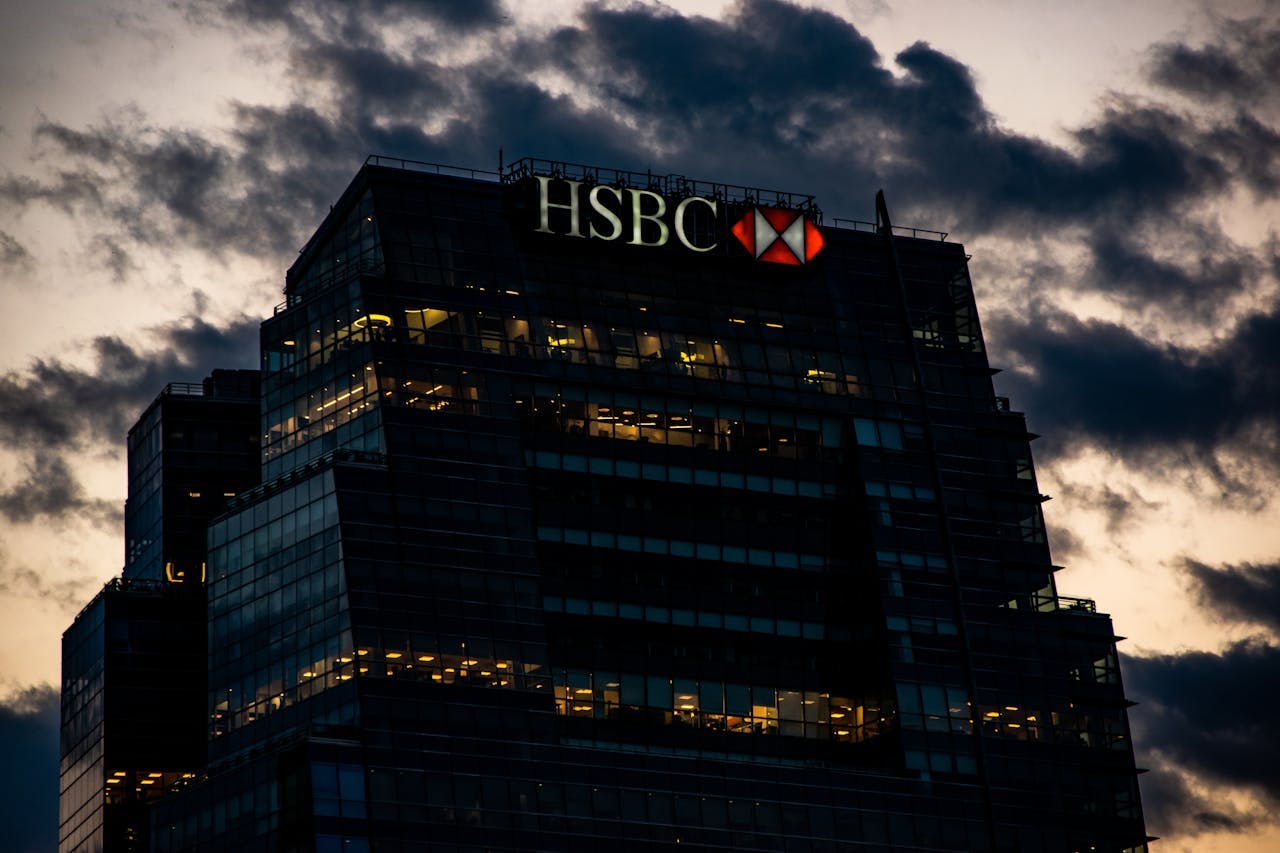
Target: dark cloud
point(1118, 505)
point(62, 189)
point(13, 255)
point(1104, 384)
point(773, 95)
point(782, 94)
point(52, 491)
point(1210, 715)
point(1197, 275)
point(1248, 592)
point(1065, 545)
point(1241, 64)
point(66, 593)
point(161, 185)
point(55, 406)
point(1171, 807)
point(114, 257)
point(29, 725)
point(349, 16)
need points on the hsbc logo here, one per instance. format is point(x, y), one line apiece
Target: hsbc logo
point(694, 223)
point(638, 217)
point(778, 236)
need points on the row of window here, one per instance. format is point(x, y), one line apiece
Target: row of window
point(657, 472)
point(655, 700)
point(683, 548)
point(1099, 728)
point(142, 785)
point(418, 665)
point(718, 706)
point(682, 423)
point(320, 410)
point(677, 616)
point(732, 358)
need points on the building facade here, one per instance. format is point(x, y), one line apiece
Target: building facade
point(606, 510)
point(134, 660)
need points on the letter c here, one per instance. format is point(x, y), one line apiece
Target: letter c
point(679, 222)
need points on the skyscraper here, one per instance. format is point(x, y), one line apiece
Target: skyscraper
point(134, 659)
point(607, 509)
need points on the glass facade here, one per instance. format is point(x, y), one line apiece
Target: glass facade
point(564, 543)
point(194, 447)
point(134, 711)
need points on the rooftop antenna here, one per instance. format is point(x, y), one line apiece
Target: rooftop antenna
point(499, 161)
point(882, 214)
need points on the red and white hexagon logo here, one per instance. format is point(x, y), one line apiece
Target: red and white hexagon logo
point(778, 236)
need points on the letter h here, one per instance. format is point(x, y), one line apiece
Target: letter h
point(545, 204)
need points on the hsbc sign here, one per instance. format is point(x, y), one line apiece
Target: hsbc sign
point(694, 223)
point(778, 236)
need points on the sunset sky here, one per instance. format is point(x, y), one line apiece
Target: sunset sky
point(1112, 168)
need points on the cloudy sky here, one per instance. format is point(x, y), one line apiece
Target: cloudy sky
point(1112, 167)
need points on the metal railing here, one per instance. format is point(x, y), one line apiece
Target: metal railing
point(183, 389)
point(664, 184)
point(1077, 605)
point(899, 230)
point(432, 168)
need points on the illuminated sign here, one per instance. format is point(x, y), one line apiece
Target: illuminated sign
point(649, 219)
point(642, 217)
point(778, 236)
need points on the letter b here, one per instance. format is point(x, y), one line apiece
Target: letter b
point(638, 218)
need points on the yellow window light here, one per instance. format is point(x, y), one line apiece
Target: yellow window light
point(375, 320)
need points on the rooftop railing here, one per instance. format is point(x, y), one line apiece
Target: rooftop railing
point(1077, 605)
point(898, 230)
point(183, 389)
point(432, 168)
point(668, 184)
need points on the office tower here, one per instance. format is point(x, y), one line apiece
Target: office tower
point(190, 451)
point(134, 720)
point(609, 510)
